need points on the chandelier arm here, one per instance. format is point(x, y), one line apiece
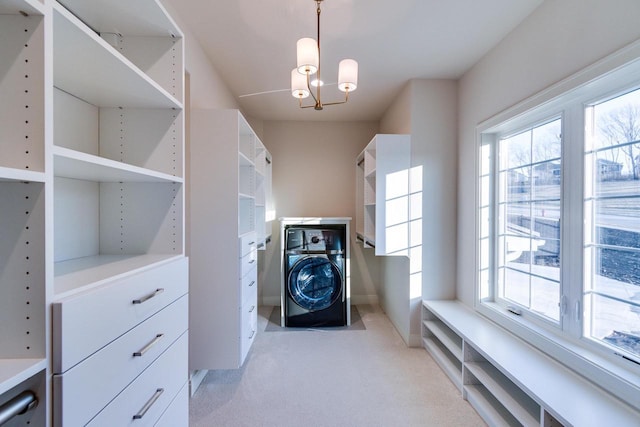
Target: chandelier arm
point(315, 99)
point(319, 79)
point(346, 98)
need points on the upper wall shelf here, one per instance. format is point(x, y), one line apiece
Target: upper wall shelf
point(139, 18)
point(11, 174)
point(16, 6)
point(75, 164)
point(101, 76)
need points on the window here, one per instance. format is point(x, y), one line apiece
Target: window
point(528, 203)
point(612, 226)
point(559, 221)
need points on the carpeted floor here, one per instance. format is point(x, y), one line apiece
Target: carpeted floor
point(274, 323)
point(319, 377)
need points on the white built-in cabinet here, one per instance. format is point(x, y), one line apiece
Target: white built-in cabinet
point(507, 381)
point(383, 194)
point(24, 195)
point(229, 204)
point(92, 212)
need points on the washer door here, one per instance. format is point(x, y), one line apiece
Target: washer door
point(314, 283)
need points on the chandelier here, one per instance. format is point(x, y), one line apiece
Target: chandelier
point(308, 64)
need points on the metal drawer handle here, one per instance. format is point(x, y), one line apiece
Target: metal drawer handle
point(253, 307)
point(252, 334)
point(251, 243)
point(149, 404)
point(146, 348)
point(252, 283)
point(148, 297)
point(252, 261)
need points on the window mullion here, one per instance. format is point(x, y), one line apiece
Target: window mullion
point(572, 207)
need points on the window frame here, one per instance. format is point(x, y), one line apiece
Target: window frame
point(617, 73)
point(506, 132)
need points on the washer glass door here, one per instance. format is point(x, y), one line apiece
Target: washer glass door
point(314, 283)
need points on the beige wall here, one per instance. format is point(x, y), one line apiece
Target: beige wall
point(426, 109)
point(558, 39)
point(314, 175)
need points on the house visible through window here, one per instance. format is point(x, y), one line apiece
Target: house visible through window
point(612, 226)
point(528, 203)
point(559, 218)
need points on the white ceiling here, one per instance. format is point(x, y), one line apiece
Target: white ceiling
point(252, 45)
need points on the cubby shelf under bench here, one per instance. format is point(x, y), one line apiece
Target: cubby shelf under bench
point(509, 382)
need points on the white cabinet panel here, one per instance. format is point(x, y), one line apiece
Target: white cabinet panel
point(84, 323)
point(144, 401)
point(125, 358)
point(177, 414)
point(247, 243)
point(228, 170)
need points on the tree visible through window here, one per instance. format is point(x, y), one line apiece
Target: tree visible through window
point(528, 267)
point(612, 226)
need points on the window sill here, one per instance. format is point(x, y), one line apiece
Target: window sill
point(620, 379)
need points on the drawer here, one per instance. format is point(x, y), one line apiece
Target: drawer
point(248, 262)
point(248, 328)
point(248, 243)
point(116, 365)
point(84, 323)
point(249, 286)
point(177, 414)
point(153, 390)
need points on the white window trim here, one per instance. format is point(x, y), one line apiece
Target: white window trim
point(617, 70)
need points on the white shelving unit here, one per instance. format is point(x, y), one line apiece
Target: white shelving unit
point(507, 381)
point(91, 201)
point(264, 210)
point(230, 178)
point(24, 334)
point(382, 173)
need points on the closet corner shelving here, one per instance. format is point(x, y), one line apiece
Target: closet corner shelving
point(382, 175)
point(230, 203)
point(91, 202)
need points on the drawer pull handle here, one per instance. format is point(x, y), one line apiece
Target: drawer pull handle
point(146, 348)
point(251, 243)
point(253, 307)
point(149, 404)
point(252, 261)
point(252, 334)
point(148, 297)
point(253, 282)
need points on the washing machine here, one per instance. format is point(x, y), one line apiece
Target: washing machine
point(315, 287)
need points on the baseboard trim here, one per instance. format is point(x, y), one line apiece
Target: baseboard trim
point(196, 379)
point(271, 301)
point(365, 300)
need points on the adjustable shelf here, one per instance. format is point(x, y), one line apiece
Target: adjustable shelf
point(101, 75)
point(77, 165)
point(85, 273)
point(15, 371)
point(23, 268)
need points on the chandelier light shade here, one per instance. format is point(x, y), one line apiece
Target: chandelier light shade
point(299, 87)
point(308, 56)
point(308, 64)
point(348, 75)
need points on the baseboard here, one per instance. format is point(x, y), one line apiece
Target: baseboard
point(355, 299)
point(196, 380)
point(365, 300)
point(271, 301)
point(415, 341)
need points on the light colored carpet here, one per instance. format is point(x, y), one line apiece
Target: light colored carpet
point(317, 378)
